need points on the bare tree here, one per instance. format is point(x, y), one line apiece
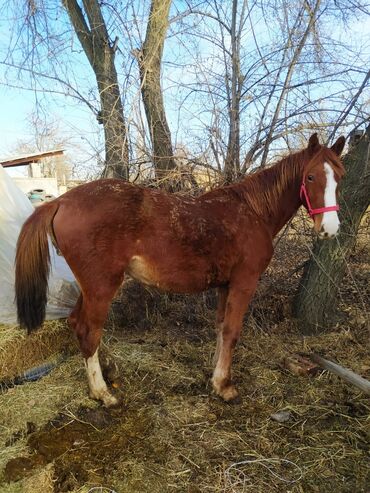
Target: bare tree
point(268, 73)
point(150, 60)
point(232, 160)
point(244, 79)
point(312, 13)
point(92, 33)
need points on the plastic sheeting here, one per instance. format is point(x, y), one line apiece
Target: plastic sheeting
point(63, 289)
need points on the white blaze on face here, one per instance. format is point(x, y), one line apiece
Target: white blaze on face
point(330, 220)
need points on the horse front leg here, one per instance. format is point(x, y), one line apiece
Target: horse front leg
point(222, 293)
point(236, 305)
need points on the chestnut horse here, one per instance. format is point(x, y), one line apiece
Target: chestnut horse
point(223, 239)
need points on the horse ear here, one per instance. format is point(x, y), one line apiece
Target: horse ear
point(313, 143)
point(338, 146)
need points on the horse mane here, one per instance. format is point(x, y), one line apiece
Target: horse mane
point(262, 190)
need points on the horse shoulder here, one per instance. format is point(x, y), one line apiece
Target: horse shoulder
point(257, 249)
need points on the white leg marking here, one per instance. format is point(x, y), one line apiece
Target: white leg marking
point(98, 387)
point(330, 220)
point(220, 374)
point(218, 344)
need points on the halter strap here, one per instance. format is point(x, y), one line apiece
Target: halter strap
point(312, 212)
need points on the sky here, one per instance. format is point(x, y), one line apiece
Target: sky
point(76, 124)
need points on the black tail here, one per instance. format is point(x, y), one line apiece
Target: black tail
point(32, 267)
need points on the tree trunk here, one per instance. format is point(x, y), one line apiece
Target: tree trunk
point(93, 36)
point(150, 59)
point(232, 161)
point(116, 144)
point(317, 296)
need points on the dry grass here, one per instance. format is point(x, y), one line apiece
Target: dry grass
point(19, 352)
point(172, 434)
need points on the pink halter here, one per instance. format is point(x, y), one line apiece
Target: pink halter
point(313, 212)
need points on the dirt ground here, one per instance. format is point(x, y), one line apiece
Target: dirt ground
point(171, 434)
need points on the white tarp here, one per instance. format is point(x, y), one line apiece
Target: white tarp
point(15, 207)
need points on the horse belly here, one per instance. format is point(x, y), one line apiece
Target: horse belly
point(167, 278)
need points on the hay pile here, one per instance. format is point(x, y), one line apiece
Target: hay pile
point(172, 434)
point(19, 352)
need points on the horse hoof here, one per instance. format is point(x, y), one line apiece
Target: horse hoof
point(106, 398)
point(229, 393)
point(226, 392)
point(110, 401)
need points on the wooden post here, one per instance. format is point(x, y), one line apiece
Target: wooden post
point(347, 375)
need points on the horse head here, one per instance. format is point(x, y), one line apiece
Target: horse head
point(319, 188)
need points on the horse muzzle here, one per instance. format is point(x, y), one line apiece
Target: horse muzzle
point(329, 225)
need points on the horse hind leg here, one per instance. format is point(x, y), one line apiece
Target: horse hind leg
point(73, 317)
point(98, 387)
point(87, 322)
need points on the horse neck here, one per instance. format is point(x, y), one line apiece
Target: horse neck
point(274, 193)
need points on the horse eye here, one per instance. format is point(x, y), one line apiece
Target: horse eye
point(310, 178)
